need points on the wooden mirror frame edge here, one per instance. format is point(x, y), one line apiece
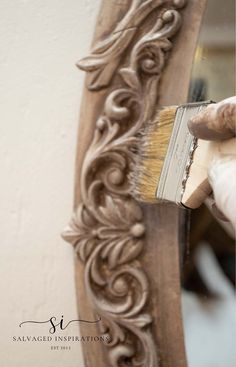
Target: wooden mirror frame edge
point(127, 255)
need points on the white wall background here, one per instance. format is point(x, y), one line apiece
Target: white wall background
point(40, 91)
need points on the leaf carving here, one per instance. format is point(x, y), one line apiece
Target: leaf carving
point(130, 78)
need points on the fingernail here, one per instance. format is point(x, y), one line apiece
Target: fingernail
point(198, 125)
point(200, 130)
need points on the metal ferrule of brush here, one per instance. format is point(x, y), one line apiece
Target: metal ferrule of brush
point(179, 156)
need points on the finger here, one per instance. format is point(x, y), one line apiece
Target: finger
point(216, 122)
point(222, 177)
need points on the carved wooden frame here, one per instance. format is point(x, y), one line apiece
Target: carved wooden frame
point(113, 236)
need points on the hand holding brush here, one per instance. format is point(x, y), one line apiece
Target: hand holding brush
point(172, 164)
point(218, 122)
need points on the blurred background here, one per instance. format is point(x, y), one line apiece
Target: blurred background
point(209, 266)
point(213, 75)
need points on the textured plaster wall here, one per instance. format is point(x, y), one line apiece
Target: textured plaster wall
point(40, 91)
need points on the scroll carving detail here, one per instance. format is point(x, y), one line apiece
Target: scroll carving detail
point(107, 229)
point(105, 56)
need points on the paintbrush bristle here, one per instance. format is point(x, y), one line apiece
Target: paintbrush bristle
point(154, 141)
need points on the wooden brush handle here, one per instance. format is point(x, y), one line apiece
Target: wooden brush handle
point(198, 187)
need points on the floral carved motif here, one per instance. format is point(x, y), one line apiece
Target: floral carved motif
point(105, 56)
point(107, 229)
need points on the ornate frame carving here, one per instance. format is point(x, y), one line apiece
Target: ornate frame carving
point(107, 229)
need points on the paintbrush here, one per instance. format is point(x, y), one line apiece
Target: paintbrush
point(171, 164)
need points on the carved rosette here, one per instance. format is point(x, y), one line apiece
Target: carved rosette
point(107, 229)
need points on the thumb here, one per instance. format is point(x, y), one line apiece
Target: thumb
point(216, 122)
point(222, 177)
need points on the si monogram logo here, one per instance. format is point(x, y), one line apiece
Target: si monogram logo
point(55, 325)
